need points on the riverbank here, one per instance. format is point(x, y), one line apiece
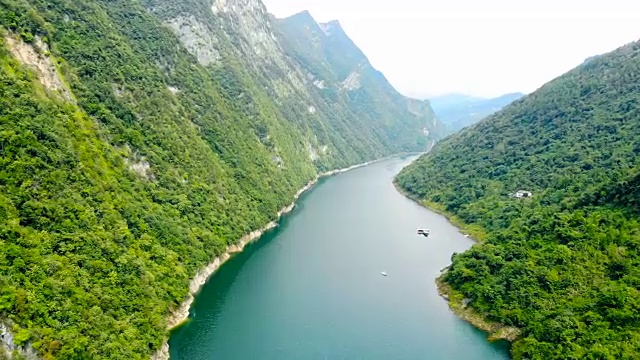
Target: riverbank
point(460, 306)
point(179, 315)
point(456, 300)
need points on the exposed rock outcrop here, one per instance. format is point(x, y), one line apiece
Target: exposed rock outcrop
point(9, 347)
point(196, 38)
point(352, 82)
point(36, 56)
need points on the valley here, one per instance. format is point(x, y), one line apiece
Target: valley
point(181, 179)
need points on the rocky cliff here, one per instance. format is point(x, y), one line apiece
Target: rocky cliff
point(139, 141)
point(345, 78)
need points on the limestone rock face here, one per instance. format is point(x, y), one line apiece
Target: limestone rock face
point(313, 68)
point(142, 139)
point(8, 346)
point(196, 38)
point(36, 57)
point(342, 72)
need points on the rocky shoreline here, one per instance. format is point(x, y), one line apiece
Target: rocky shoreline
point(181, 314)
point(463, 309)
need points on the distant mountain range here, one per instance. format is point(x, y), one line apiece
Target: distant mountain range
point(458, 110)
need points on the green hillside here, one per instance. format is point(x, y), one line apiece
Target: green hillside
point(563, 265)
point(345, 78)
point(137, 140)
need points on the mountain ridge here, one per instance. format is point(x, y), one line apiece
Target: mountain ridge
point(336, 64)
point(139, 141)
point(560, 265)
point(459, 110)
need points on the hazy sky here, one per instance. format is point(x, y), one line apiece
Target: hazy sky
point(478, 47)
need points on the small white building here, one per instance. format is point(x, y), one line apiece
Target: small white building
point(523, 194)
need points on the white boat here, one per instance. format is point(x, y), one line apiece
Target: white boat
point(424, 232)
point(383, 273)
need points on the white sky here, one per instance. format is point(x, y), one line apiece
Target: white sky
point(477, 47)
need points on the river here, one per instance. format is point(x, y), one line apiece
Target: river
point(312, 288)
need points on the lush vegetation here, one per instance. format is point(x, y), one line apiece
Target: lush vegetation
point(110, 202)
point(350, 82)
point(564, 265)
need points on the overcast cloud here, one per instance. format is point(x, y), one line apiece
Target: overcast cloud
point(483, 48)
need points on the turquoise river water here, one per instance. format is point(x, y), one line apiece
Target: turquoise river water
point(312, 288)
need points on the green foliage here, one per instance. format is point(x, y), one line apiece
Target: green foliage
point(331, 58)
point(562, 265)
point(111, 202)
point(21, 337)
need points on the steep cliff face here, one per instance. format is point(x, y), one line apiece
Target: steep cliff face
point(343, 74)
point(236, 29)
point(241, 35)
point(138, 140)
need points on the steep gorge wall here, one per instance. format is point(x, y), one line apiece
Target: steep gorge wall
point(138, 142)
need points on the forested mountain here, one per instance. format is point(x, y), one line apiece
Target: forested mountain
point(345, 78)
point(564, 264)
point(457, 111)
point(137, 140)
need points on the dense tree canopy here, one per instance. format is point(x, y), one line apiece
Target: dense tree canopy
point(332, 59)
point(113, 195)
point(563, 265)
